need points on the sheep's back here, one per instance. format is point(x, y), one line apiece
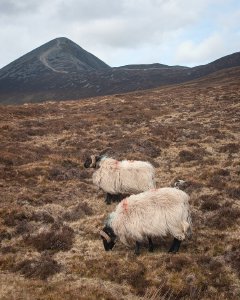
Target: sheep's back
point(152, 213)
point(136, 180)
point(136, 176)
point(127, 177)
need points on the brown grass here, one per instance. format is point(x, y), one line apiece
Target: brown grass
point(51, 214)
point(57, 238)
point(40, 268)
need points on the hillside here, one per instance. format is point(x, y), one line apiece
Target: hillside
point(51, 213)
point(62, 70)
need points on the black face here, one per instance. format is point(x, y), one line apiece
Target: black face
point(181, 184)
point(88, 162)
point(109, 245)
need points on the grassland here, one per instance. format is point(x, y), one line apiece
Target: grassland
point(50, 213)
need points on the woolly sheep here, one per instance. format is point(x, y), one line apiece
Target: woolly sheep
point(153, 213)
point(121, 177)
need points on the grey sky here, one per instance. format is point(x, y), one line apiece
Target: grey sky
point(184, 32)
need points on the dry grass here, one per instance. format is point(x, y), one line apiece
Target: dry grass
point(55, 238)
point(51, 213)
point(40, 268)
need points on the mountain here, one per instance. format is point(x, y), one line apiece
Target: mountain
point(60, 55)
point(45, 70)
point(150, 66)
point(62, 70)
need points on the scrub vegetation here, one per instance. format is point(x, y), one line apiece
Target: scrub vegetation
point(51, 213)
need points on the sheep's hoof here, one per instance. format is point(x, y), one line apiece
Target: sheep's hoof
point(172, 251)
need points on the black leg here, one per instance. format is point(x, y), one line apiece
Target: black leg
point(121, 197)
point(115, 198)
point(108, 198)
point(175, 246)
point(137, 249)
point(150, 245)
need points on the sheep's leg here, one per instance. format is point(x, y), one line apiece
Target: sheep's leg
point(121, 197)
point(108, 198)
point(150, 245)
point(175, 246)
point(137, 248)
point(116, 198)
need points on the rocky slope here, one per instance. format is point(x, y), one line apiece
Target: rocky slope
point(61, 70)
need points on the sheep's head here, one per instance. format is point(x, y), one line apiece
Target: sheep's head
point(91, 161)
point(108, 237)
point(180, 184)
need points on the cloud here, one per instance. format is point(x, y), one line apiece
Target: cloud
point(87, 10)
point(129, 23)
point(205, 51)
point(15, 7)
point(123, 32)
point(222, 38)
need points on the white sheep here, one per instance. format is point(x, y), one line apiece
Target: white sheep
point(153, 213)
point(121, 177)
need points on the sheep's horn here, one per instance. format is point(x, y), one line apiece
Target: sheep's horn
point(93, 158)
point(105, 235)
point(104, 151)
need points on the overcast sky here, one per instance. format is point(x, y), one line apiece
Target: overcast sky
point(120, 32)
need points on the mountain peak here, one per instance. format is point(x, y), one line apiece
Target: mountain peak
point(66, 56)
point(60, 55)
point(62, 41)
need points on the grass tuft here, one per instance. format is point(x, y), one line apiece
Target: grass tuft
point(40, 268)
point(57, 238)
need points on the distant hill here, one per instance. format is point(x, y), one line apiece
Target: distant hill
point(62, 70)
point(150, 66)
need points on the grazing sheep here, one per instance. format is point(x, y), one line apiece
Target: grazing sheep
point(121, 177)
point(180, 184)
point(153, 213)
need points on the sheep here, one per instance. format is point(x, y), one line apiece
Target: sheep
point(121, 178)
point(180, 184)
point(153, 213)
